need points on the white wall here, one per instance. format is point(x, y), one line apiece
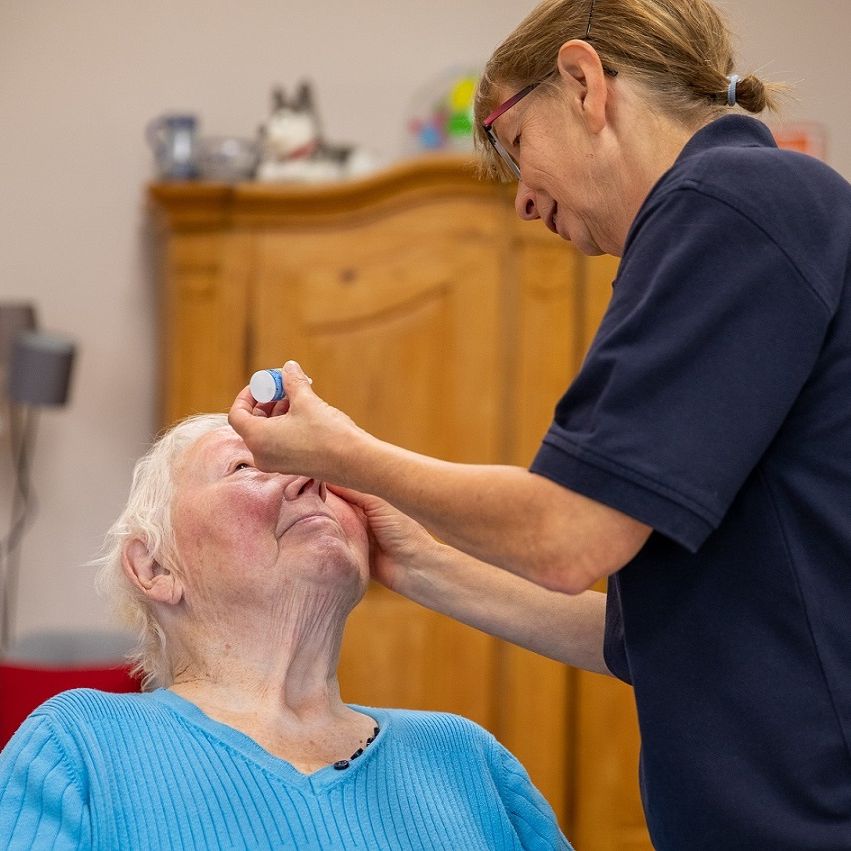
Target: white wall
point(78, 82)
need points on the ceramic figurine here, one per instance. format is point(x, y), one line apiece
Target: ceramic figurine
point(294, 149)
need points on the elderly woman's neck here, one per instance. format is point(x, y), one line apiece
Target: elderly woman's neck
point(281, 661)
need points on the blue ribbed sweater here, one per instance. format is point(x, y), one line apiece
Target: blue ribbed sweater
point(151, 771)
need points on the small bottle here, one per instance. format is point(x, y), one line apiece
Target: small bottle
point(267, 385)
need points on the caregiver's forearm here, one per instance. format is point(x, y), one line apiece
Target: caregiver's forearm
point(502, 515)
point(567, 628)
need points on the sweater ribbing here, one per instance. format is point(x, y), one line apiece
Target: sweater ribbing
point(102, 771)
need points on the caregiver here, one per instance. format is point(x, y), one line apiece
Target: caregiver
point(702, 457)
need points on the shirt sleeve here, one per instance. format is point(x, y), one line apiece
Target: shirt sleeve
point(42, 801)
point(531, 816)
point(711, 335)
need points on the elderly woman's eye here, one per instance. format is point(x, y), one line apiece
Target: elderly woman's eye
point(242, 465)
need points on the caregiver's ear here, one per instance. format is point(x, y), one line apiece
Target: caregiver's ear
point(581, 70)
point(157, 583)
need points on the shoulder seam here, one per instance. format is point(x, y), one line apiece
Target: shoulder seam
point(509, 774)
point(691, 184)
point(66, 760)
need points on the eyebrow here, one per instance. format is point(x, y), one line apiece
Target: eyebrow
point(232, 452)
point(504, 119)
point(217, 455)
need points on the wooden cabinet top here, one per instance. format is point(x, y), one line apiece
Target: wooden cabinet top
point(190, 205)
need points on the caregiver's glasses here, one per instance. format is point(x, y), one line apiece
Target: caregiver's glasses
point(487, 124)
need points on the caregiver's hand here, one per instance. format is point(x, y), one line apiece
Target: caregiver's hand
point(301, 434)
point(408, 560)
point(398, 544)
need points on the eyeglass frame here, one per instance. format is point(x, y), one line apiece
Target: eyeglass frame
point(487, 124)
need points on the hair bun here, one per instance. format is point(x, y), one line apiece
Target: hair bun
point(751, 94)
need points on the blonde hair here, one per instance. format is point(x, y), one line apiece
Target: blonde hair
point(680, 51)
point(147, 516)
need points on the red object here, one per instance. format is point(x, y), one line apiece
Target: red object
point(24, 687)
point(806, 137)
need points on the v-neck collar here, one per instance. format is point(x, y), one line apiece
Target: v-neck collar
point(234, 739)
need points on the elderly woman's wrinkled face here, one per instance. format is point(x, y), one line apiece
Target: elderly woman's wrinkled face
point(244, 533)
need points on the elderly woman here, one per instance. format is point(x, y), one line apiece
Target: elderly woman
point(240, 583)
point(702, 457)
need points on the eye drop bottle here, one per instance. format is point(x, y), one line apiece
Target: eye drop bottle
point(267, 385)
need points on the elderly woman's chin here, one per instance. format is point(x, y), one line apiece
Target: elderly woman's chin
point(336, 563)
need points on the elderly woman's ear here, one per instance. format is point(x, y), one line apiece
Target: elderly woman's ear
point(156, 582)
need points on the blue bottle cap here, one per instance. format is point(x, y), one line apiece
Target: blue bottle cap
point(267, 385)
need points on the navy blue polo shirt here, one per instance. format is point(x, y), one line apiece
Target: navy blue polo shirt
point(715, 406)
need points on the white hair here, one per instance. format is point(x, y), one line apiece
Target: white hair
point(147, 516)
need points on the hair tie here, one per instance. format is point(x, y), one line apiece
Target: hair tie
point(731, 89)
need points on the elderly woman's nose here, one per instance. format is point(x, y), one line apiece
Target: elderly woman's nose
point(524, 203)
point(299, 486)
